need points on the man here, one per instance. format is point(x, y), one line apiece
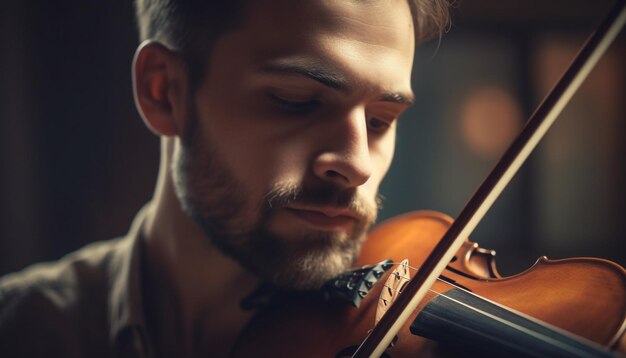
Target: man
point(277, 121)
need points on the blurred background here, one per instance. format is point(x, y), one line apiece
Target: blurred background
point(77, 162)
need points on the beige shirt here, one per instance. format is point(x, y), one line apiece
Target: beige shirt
point(87, 304)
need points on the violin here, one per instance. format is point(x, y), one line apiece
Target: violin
point(583, 296)
point(457, 303)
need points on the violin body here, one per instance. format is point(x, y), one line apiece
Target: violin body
point(583, 296)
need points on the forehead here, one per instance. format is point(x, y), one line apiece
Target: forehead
point(373, 37)
point(380, 19)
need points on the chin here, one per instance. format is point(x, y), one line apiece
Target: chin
point(310, 261)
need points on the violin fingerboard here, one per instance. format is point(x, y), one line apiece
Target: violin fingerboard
point(462, 318)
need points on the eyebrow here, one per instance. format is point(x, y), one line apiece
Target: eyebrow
point(395, 97)
point(322, 74)
point(329, 77)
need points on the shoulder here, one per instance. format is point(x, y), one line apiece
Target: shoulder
point(49, 307)
point(60, 280)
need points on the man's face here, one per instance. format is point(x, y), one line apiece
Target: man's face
point(292, 131)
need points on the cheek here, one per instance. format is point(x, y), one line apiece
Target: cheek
point(257, 154)
point(382, 155)
point(261, 152)
point(252, 142)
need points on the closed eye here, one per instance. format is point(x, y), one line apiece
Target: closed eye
point(377, 124)
point(294, 106)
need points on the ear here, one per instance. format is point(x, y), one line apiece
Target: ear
point(160, 88)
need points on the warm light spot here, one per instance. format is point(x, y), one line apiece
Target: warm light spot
point(490, 118)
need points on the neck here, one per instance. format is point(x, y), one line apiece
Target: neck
point(195, 290)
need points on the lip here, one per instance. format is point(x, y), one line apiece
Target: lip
point(328, 219)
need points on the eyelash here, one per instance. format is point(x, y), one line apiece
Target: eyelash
point(382, 125)
point(294, 106)
point(376, 125)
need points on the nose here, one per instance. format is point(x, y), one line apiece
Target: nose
point(345, 156)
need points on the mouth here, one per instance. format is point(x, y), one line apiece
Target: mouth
point(326, 219)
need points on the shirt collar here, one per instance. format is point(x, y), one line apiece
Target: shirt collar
point(125, 296)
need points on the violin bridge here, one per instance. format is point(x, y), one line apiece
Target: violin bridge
point(394, 285)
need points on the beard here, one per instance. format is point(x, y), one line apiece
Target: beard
point(240, 227)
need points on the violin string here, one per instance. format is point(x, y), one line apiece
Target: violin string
point(515, 326)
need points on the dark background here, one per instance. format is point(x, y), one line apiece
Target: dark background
point(77, 162)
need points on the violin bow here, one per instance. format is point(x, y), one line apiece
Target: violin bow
point(544, 116)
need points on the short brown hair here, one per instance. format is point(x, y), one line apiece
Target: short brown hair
point(431, 17)
point(192, 26)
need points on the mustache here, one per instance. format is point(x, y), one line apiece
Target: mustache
point(324, 196)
